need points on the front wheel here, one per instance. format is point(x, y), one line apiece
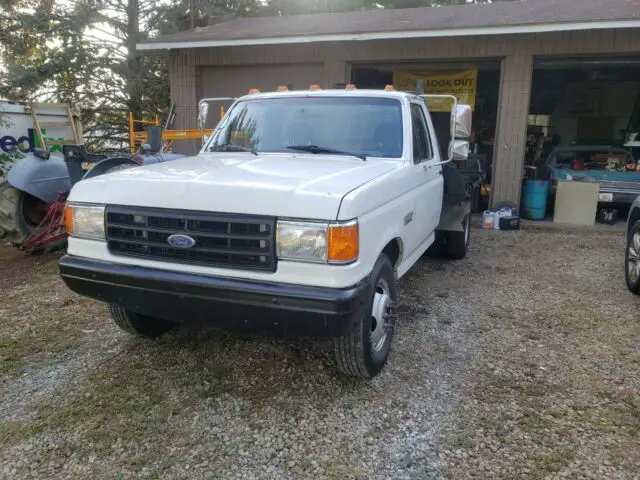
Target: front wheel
point(364, 350)
point(138, 324)
point(632, 259)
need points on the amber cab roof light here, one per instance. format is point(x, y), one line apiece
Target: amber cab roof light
point(253, 91)
point(314, 86)
point(350, 86)
point(282, 88)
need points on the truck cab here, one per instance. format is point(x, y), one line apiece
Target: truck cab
point(297, 217)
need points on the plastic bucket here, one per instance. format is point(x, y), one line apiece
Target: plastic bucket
point(488, 219)
point(535, 199)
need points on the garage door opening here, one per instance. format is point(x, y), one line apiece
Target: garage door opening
point(483, 96)
point(581, 113)
point(581, 102)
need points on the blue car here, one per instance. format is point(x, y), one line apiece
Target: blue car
point(614, 169)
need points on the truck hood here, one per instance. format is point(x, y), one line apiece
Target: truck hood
point(284, 185)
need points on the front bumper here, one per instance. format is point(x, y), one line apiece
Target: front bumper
point(231, 304)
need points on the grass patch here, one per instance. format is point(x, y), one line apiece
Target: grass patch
point(36, 343)
point(145, 394)
point(343, 466)
point(543, 464)
point(48, 268)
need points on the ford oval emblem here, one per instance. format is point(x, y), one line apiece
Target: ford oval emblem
point(181, 241)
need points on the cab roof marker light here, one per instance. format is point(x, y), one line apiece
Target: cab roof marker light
point(314, 86)
point(389, 88)
point(350, 86)
point(253, 91)
point(282, 88)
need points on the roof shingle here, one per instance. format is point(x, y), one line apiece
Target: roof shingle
point(502, 14)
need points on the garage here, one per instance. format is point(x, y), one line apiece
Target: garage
point(536, 62)
point(582, 108)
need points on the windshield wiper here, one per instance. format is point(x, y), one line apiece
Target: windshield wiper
point(228, 147)
point(318, 149)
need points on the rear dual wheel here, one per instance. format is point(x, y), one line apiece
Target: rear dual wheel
point(455, 244)
point(452, 245)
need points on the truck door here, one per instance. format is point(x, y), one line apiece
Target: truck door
point(427, 168)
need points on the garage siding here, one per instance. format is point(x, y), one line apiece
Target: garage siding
point(236, 81)
point(517, 52)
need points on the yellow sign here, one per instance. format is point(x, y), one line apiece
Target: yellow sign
point(462, 85)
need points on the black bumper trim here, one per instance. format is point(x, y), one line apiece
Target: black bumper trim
point(233, 304)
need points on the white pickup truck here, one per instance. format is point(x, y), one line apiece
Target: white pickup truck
point(297, 217)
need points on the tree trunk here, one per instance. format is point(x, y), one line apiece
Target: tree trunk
point(134, 61)
point(192, 14)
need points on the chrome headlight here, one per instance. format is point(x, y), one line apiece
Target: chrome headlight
point(85, 221)
point(317, 242)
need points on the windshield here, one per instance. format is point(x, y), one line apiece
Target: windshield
point(360, 125)
point(611, 160)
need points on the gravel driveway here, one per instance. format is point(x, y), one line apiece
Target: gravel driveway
point(520, 361)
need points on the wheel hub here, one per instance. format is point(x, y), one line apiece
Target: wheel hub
point(633, 258)
point(380, 316)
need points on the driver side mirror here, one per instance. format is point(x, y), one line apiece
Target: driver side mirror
point(462, 121)
point(203, 111)
point(460, 148)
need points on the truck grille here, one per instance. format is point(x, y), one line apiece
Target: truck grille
point(221, 240)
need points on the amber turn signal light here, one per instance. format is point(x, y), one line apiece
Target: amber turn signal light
point(68, 218)
point(343, 243)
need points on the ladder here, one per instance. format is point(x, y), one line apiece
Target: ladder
point(41, 110)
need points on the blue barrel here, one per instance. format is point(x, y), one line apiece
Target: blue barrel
point(535, 199)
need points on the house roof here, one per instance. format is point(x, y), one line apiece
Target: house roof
point(517, 16)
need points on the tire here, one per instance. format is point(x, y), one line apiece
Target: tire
point(138, 324)
point(364, 350)
point(632, 259)
point(9, 201)
point(455, 244)
point(20, 214)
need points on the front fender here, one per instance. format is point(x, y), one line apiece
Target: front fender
point(104, 166)
point(43, 179)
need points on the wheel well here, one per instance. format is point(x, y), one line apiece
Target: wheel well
point(634, 216)
point(394, 250)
